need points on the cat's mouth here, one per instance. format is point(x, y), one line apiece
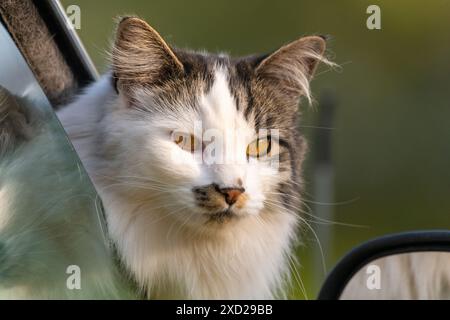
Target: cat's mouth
point(222, 216)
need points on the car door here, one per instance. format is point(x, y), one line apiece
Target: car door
point(53, 240)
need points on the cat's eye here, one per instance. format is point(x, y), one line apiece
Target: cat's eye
point(261, 147)
point(186, 141)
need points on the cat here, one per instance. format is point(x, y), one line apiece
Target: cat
point(188, 229)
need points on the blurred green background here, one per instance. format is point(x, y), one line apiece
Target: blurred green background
point(391, 128)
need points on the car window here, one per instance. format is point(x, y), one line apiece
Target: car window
point(53, 242)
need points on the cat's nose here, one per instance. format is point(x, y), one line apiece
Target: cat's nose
point(231, 194)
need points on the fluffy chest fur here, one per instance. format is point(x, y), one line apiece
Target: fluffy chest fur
point(197, 160)
point(247, 261)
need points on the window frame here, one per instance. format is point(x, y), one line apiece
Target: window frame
point(69, 44)
point(51, 47)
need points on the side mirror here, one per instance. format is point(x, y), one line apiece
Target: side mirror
point(406, 266)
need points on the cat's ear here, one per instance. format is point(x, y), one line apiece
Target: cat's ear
point(140, 56)
point(290, 68)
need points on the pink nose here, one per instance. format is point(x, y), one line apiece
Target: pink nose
point(231, 194)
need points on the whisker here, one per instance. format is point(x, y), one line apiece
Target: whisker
point(320, 220)
point(315, 236)
point(297, 277)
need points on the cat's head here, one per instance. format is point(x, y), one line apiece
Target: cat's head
point(206, 138)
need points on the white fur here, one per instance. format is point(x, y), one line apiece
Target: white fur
point(152, 216)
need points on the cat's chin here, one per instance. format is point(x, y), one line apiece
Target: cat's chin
point(227, 218)
point(223, 216)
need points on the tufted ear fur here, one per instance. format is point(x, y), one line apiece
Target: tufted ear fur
point(291, 67)
point(141, 57)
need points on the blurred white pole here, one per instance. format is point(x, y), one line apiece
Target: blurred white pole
point(323, 192)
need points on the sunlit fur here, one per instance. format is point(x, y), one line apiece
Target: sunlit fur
point(166, 240)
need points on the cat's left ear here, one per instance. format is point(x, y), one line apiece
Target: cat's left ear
point(291, 67)
point(141, 57)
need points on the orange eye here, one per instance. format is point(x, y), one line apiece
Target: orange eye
point(262, 147)
point(186, 141)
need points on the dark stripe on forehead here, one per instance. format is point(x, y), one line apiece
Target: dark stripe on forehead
point(250, 103)
point(241, 74)
point(196, 65)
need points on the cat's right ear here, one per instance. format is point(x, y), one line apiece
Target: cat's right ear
point(140, 56)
